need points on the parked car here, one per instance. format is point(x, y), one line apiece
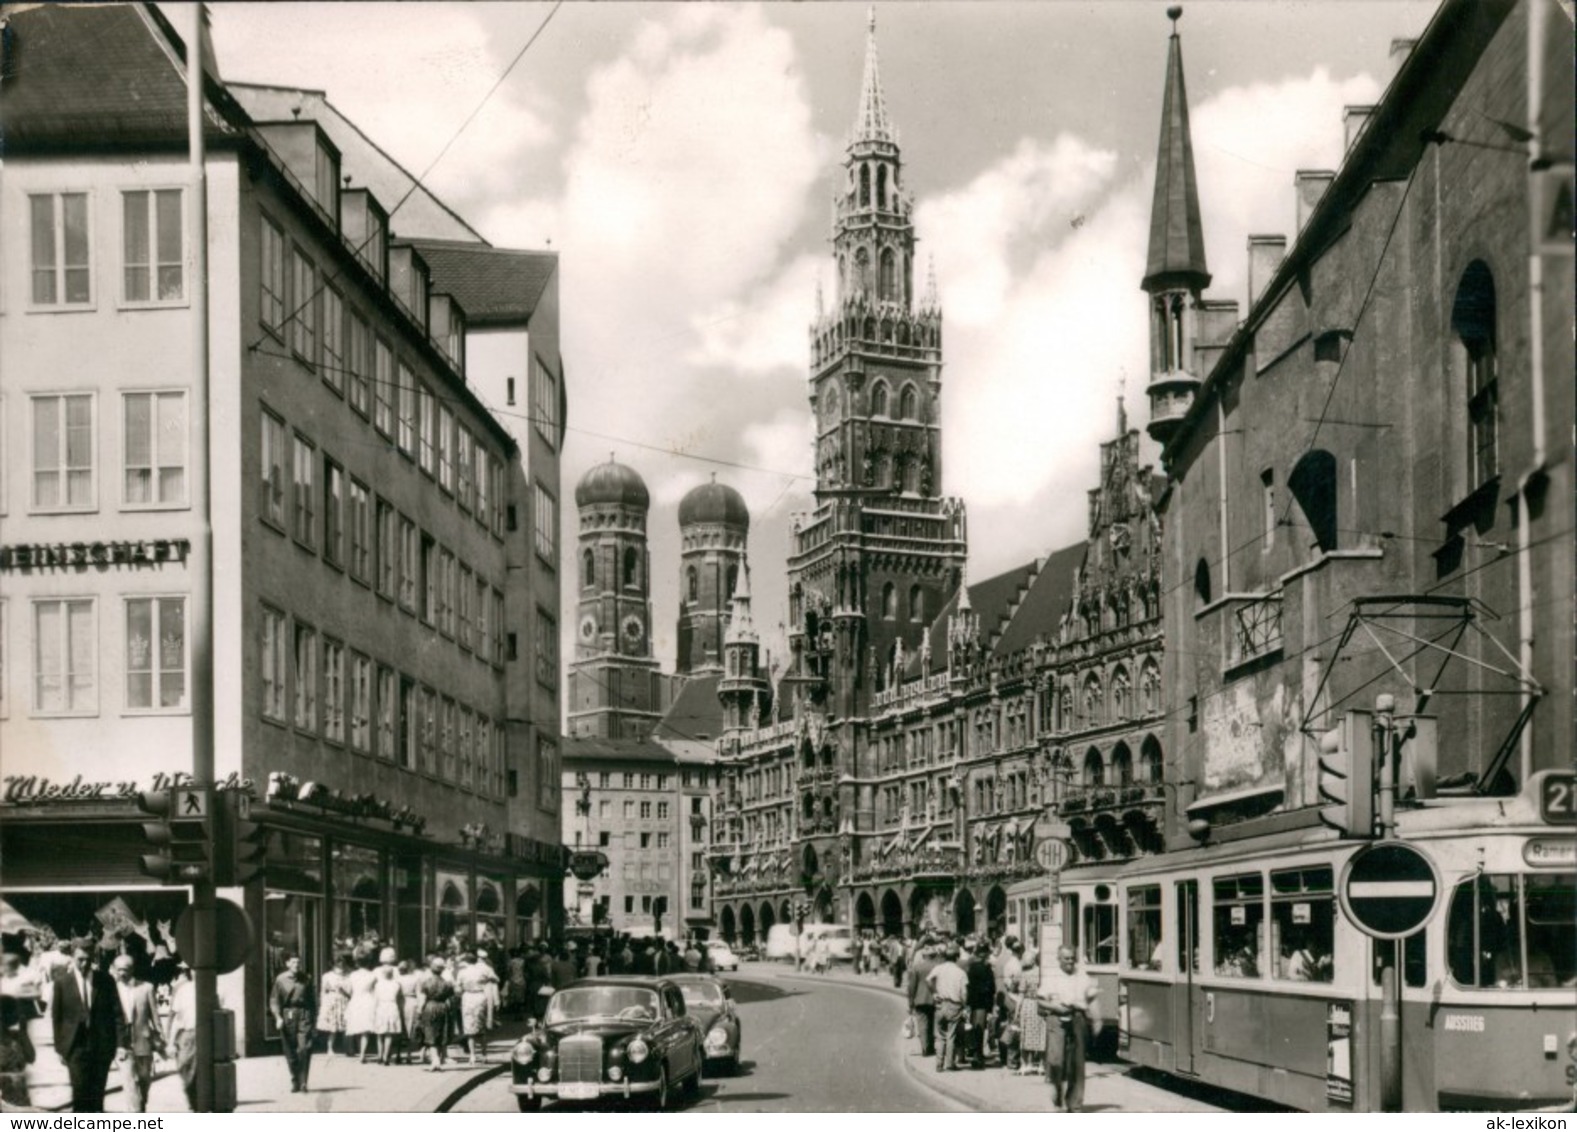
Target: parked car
point(711, 1004)
point(722, 956)
point(610, 1037)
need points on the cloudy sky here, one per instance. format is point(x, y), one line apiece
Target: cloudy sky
point(681, 158)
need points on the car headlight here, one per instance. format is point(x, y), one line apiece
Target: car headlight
point(524, 1051)
point(637, 1051)
point(615, 1073)
point(717, 1036)
point(545, 1074)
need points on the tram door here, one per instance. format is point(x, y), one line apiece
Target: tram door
point(1186, 1005)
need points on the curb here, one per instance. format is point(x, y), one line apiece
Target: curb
point(443, 1100)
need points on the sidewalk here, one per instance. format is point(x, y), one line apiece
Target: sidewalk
point(341, 1084)
point(993, 1089)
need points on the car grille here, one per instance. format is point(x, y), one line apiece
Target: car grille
point(580, 1059)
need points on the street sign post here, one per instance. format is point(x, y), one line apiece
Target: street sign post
point(1052, 855)
point(1389, 890)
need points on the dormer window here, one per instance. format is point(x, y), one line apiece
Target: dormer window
point(326, 177)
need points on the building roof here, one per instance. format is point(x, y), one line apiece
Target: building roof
point(612, 483)
point(992, 600)
point(1177, 240)
point(1040, 613)
point(713, 503)
point(419, 214)
point(494, 286)
point(110, 75)
point(577, 751)
point(692, 724)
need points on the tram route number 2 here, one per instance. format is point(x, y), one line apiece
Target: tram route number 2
point(1558, 798)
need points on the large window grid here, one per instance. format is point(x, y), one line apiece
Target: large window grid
point(333, 339)
point(544, 400)
point(304, 502)
point(304, 309)
point(272, 281)
point(304, 677)
point(333, 513)
point(333, 691)
point(153, 229)
point(65, 656)
point(271, 507)
point(154, 449)
point(62, 250)
point(64, 441)
point(360, 522)
point(156, 654)
point(275, 651)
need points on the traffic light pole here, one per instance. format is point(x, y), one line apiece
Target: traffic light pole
point(1385, 744)
point(204, 919)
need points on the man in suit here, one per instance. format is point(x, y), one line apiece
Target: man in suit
point(140, 1038)
point(85, 1014)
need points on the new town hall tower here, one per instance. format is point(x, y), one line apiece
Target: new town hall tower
point(871, 566)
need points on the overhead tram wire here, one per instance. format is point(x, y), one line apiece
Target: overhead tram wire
point(325, 279)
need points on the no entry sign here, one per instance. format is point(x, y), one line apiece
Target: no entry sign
point(1389, 890)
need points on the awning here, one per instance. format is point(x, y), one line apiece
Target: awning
point(1232, 797)
point(13, 921)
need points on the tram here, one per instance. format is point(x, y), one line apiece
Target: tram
point(1234, 965)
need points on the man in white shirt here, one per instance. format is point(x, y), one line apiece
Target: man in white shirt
point(1075, 1003)
point(950, 992)
point(140, 1038)
point(183, 1034)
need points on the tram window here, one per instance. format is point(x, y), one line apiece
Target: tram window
point(1551, 903)
point(1509, 930)
point(1238, 922)
point(1144, 927)
point(1070, 924)
point(1303, 924)
point(1100, 933)
point(1415, 964)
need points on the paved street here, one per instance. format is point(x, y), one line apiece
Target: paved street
point(832, 1044)
point(808, 1048)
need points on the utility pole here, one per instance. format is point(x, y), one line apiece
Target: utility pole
point(204, 960)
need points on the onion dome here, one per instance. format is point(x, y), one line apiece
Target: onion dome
point(713, 503)
point(612, 483)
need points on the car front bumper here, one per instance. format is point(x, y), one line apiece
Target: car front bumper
point(581, 1090)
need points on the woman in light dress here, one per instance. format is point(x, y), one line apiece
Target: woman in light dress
point(1031, 1027)
point(362, 1008)
point(332, 997)
point(478, 983)
point(388, 1017)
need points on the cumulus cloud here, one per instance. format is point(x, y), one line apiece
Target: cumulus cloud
point(411, 105)
point(1039, 259)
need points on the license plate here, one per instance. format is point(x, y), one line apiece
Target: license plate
point(574, 1092)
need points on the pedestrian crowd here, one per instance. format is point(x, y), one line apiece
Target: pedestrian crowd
point(981, 1003)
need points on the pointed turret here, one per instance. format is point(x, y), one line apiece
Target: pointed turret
point(1177, 240)
point(1175, 272)
point(931, 301)
point(743, 690)
point(870, 121)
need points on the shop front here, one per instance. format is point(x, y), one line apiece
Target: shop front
point(329, 883)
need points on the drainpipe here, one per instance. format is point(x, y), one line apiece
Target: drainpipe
point(1536, 27)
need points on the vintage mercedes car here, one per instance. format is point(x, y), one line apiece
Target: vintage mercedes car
point(710, 1003)
point(610, 1037)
